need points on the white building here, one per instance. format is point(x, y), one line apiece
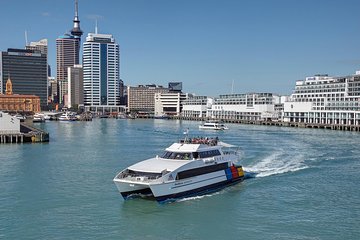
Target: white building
point(325, 100)
point(169, 103)
point(9, 124)
point(101, 66)
point(251, 106)
point(75, 86)
point(196, 106)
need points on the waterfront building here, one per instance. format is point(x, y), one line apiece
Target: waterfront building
point(196, 106)
point(141, 99)
point(169, 104)
point(75, 87)
point(322, 99)
point(101, 66)
point(28, 72)
point(18, 102)
point(250, 106)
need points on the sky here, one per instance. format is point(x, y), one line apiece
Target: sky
point(213, 46)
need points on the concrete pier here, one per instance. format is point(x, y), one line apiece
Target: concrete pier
point(27, 134)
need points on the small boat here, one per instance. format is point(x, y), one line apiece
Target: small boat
point(67, 116)
point(47, 117)
point(121, 116)
point(190, 167)
point(22, 118)
point(38, 117)
point(163, 116)
point(213, 125)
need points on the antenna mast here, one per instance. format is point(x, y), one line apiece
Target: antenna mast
point(96, 26)
point(232, 87)
point(26, 38)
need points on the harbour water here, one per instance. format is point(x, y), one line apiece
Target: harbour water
point(307, 185)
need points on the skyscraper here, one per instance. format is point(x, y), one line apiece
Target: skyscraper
point(75, 86)
point(68, 53)
point(41, 45)
point(27, 70)
point(101, 72)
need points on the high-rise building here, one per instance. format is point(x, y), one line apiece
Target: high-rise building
point(67, 55)
point(101, 66)
point(75, 86)
point(27, 70)
point(53, 90)
point(41, 45)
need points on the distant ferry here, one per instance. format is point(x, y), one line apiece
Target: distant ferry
point(213, 125)
point(189, 167)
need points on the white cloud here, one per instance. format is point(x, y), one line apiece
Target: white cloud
point(45, 14)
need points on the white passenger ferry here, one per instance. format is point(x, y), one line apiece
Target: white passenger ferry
point(213, 125)
point(188, 168)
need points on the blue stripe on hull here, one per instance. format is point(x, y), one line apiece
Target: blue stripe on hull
point(199, 191)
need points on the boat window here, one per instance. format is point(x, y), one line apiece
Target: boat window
point(150, 175)
point(201, 171)
point(179, 156)
point(210, 153)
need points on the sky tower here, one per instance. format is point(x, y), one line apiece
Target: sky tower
point(76, 31)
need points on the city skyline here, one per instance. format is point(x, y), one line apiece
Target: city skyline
point(260, 46)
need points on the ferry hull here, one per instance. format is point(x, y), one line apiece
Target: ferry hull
point(129, 189)
point(198, 191)
point(190, 187)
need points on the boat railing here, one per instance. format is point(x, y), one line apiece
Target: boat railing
point(200, 140)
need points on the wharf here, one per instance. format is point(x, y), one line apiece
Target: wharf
point(342, 127)
point(27, 134)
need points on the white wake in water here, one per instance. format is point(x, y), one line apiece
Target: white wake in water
point(277, 163)
point(198, 197)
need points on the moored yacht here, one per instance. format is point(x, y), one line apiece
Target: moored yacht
point(38, 117)
point(188, 168)
point(67, 116)
point(213, 125)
